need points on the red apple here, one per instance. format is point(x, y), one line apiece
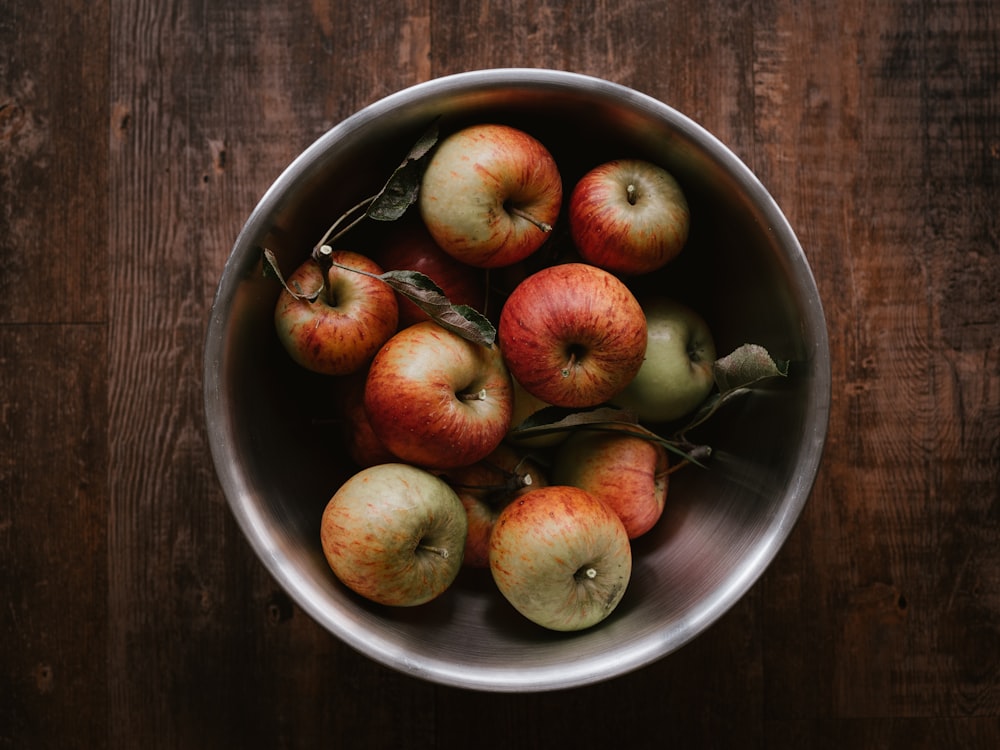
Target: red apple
point(628, 473)
point(485, 489)
point(363, 446)
point(338, 332)
point(436, 399)
point(411, 248)
point(490, 195)
point(394, 534)
point(573, 335)
point(561, 557)
point(628, 216)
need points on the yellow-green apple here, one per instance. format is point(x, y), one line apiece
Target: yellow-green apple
point(490, 195)
point(394, 533)
point(629, 473)
point(525, 406)
point(629, 216)
point(339, 331)
point(436, 399)
point(677, 373)
point(411, 248)
point(485, 489)
point(573, 335)
point(561, 557)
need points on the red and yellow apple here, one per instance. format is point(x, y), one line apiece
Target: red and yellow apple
point(628, 216)
point(437, 400)
point(339, 331)
point(490, 195)
point(394, 533)
point(628, 473)
point(561, 557)
point(573, 335)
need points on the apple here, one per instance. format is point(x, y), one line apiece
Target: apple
point(526, 405)
point(627, 472)
point(490, 195)
point(677, 374)
point(339, 331)
point(394, 533)
point(561, 557)
point(436, 399)
point(411, 248)
point(485, 489)
point(628, 216)
point(363, 446)
point(573, 335)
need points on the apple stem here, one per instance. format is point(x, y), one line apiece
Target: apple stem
point(544, 226)
point(630, 194)
point(590, 573)
point(478, 396)
point(569, 364)
point(436, 550)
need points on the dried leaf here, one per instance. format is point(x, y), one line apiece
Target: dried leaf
point(401, 190)
point(559, 419)
point(467, 322)
point(745, 366)
point(734, 374)
point(271, 268)
point(603, 419)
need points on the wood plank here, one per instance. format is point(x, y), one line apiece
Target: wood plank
point(205, 649)
point(53, 162)
point(135, 137)
point(53, 546)
point(897, 552)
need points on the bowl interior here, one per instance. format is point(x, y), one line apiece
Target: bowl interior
point(279, 461)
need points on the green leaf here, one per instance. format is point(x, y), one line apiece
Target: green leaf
point(401, 190)
point(467, 322)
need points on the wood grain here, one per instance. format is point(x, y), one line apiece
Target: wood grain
point(135, 137)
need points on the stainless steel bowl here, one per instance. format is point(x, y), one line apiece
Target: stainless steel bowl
point(743, 269)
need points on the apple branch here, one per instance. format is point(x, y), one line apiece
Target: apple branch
point(393, 199)
point(605, 419)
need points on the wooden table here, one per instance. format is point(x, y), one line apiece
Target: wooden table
point(135, 137)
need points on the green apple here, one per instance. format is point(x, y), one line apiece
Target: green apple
point(676, 375)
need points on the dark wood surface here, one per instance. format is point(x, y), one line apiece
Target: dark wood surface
point(135, 137)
